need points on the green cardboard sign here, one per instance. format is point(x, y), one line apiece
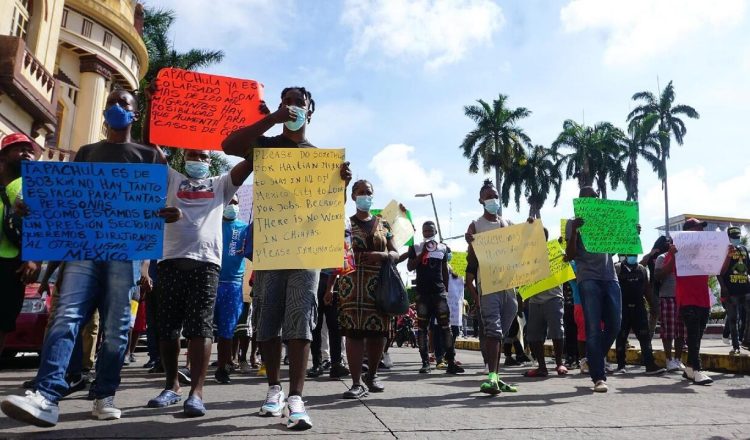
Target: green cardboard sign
point(609, 226)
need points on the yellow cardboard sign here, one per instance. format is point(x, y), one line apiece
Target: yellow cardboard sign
point(560, 272)
point(563, 227)
point(511, 257)
point(298, 208)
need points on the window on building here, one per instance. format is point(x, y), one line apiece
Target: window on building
point(20, 24)
point(86, 28)
point(65, 18)
point(107, 40)
point(123, 50)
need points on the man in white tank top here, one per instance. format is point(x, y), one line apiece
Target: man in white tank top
point(497, 309)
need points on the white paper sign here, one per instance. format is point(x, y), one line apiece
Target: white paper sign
point(700, 253)
point(401, 227)
point(245, 194)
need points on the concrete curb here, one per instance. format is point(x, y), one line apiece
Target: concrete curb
point(710, 361)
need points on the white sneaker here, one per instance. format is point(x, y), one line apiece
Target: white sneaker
point(681, 365)
point(387, 360)
point(689, 374)
point(600, 386)
point(672, 365)
point(33, 408)
point(726, 341)
point(584, 366)
point(701, 378)
point(245, 367)
point(274, 404)
point(104, 409)
point(297, 418)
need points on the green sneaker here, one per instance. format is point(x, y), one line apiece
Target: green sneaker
point(491, 386)
point(504, 387)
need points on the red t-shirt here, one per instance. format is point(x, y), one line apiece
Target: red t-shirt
point(691, 290)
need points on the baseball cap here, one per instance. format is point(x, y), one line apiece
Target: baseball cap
point(734, 232)
point(19, 138)
point(693, 223)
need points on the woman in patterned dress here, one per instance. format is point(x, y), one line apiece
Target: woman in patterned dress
point(364, 327)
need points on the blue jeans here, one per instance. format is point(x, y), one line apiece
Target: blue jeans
point(602, 303)
point(87, 285)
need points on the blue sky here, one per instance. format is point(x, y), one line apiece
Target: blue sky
point(391, 77)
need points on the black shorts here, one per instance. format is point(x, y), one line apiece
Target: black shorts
point(187, 296)
point(11, 293)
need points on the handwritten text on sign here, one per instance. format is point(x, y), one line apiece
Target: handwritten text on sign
point(561, 272)
point(700, 253)
point(609, 226)
point(298, 208)
point(93, 211)
point(197, 110)
point(511, 257)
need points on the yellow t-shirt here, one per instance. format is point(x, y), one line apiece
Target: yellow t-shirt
point(7, 249)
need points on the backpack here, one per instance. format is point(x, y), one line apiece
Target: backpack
point(12, 223)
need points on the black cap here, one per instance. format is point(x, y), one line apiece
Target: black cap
point(734, 232)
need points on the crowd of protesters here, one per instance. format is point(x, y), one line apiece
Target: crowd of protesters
point(200, 290)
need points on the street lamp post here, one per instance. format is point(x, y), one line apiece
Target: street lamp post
point(437, 220)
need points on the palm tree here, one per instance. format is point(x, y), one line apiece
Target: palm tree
point(594, 154)
point(669, 124)
point(535, 176)
point(640, 143)
point(497, 141)
point(161, 54)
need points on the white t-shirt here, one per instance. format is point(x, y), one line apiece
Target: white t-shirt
point(197, 235)
point(456, 299)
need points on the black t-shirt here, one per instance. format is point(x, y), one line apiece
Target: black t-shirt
point(632, 282)
point(281, 141)
point(111, 152)
point(735, 277)
point(430, 258)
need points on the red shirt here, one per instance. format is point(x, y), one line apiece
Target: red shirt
point(691, 290)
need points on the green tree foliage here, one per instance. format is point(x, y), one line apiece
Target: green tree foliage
point(535, 176)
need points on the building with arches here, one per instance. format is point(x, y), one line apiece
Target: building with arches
point(59, 59)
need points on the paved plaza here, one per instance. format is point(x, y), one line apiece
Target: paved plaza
point(419, 406)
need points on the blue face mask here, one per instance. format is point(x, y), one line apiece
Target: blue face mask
point(196, 169)
point(118, 118)
point(299, 122)
point(735, 241)
point(364, 203)
point(492, 205)
point(632, 260)
point(231, 211)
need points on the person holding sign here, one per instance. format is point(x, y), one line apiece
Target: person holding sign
point(275, 289)
point(14, 273)
point(89, 284)
point(189, 273)
point(735, 287)
point(546, 320)
point(498, 309)
point(694, 306)
point(430, 260)
point(636, 291)
point(364, 327)
point(671, 328)
point(600, 297)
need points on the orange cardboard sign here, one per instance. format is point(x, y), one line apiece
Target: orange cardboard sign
point(198, 110)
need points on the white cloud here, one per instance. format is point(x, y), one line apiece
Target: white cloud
point(242, 23)
point(436, 32)
point(642, 29)
point(402, 176)
point(329, 125)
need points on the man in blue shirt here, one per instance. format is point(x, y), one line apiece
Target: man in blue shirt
point(229, 296)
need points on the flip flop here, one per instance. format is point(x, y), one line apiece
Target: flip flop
point(536, 372)
point(562, 370)
point(505, 388)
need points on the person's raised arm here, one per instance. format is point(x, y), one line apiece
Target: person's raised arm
point(412, 255)
point(571, 250)
point(241, 172)
point(242, 141)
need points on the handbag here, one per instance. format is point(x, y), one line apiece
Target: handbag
point(390, 295)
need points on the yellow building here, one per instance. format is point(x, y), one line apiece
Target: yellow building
point(58, 61)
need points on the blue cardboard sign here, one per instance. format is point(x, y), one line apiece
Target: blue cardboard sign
point(93, 211)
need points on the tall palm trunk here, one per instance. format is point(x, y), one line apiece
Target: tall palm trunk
point(666, 198)
point(499, 184)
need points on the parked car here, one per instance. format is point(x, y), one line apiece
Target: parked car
point(30, 324)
